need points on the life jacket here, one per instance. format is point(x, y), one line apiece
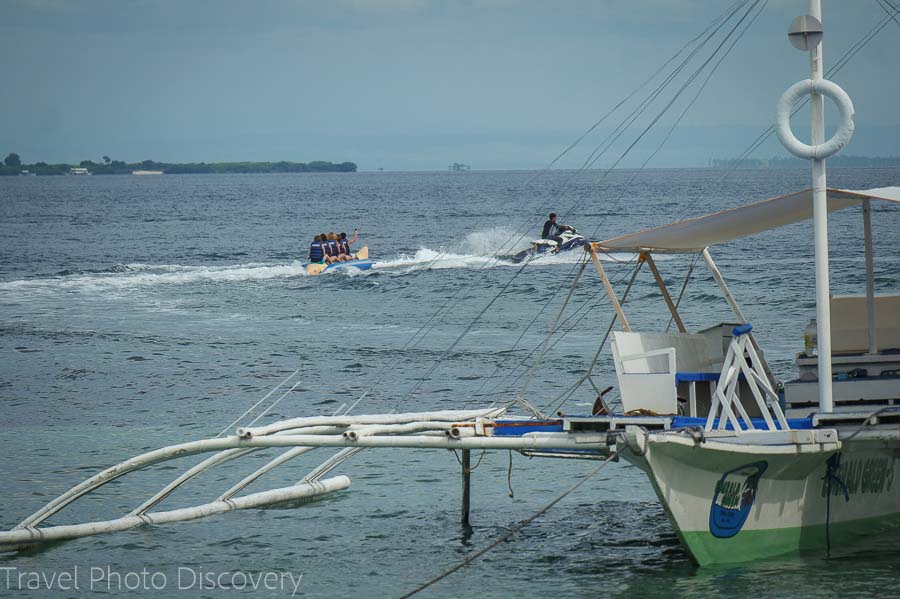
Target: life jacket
point(316, 253)
point(345, 247)
point(335, 248)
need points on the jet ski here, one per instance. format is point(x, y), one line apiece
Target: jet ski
point(571, 239)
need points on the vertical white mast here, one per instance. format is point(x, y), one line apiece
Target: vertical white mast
point(805, 34)
point(820, 217)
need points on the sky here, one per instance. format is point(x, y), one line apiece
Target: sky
point(412, 84)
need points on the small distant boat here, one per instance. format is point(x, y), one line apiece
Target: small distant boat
point(362, 262)
point(27, 173)
point(79, 171)
point(147, 172)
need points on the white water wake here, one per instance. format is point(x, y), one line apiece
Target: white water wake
point(133, 276)
point(481, 249)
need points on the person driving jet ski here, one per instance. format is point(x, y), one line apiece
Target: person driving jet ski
point(552, 229)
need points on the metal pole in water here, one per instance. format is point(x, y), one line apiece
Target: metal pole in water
point(466, 484)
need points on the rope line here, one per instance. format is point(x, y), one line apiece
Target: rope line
point(840, 64)
point(552, 328)
point(684, 285)
point(580, 313)
point(254, 406)
point(717, 25)
point(575, 318)
point(565, 397)
point(513, 530)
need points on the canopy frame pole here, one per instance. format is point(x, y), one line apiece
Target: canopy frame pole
point(870, 276)
point(720, 280)
point(714, 270)
point(608, 286)
point(665, 292)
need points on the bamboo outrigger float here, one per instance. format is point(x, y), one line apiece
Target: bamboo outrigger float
point(746, 467)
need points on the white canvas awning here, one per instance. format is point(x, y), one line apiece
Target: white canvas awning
point(694, 234)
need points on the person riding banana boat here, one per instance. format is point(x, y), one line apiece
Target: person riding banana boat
point(329, 248)
point(332, 250)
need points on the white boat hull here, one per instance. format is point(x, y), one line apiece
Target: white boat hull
point(736, 502)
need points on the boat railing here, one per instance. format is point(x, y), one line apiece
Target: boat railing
point(742, 359)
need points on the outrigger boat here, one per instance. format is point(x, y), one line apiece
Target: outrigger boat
point(745, 467)
point(360, 262)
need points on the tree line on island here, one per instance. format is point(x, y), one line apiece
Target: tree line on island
point(790, 162)
point(13, 165)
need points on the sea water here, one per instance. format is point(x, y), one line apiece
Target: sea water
point(139, 312)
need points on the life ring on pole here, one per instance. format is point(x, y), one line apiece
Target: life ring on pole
point(783, 118)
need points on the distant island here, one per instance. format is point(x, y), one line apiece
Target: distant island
point(839, 160)
point(13, 165)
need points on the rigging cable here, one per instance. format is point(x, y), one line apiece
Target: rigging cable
point(569, 392)
point(831, 72)
point(575, 318)
point(621, 157)
point(589, 163)
point(423, 331)
point(472, 557)
point(552, 328)
point(564, 397)
point(684, 285)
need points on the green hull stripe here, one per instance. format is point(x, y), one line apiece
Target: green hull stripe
point(750, 545)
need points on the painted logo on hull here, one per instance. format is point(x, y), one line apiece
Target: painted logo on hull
point(734, 496)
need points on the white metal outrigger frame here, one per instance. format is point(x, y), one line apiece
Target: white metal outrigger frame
point(460, 429)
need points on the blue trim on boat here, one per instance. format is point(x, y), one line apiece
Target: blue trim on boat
point(687, 377)
point(688, 421)
point(850, 379)
point(360, 264)
point(517, 428)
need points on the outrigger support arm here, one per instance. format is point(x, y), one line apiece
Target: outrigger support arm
point(646, 257)
point(592, 250)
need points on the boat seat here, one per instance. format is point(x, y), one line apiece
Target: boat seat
point(650, 365)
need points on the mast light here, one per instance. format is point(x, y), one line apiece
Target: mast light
point(805, 32)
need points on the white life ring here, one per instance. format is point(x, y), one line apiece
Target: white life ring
point(783, 118)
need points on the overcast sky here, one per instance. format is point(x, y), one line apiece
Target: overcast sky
point(404, 84)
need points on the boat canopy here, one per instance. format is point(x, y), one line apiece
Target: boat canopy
point(692, 235)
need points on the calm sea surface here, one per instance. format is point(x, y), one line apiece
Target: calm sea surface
point(137, 312)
